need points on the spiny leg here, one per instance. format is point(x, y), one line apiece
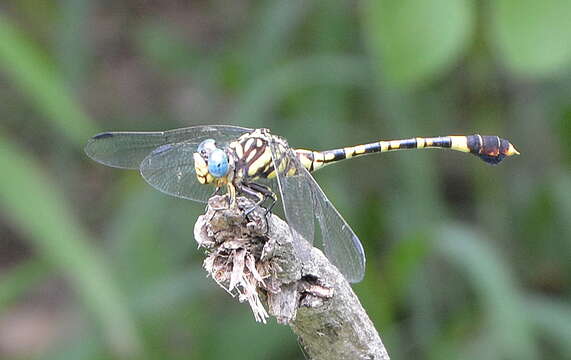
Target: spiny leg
point(267, 193)
point(231, 192)
point(245, 189)
point(260, 193)
point(216, 192)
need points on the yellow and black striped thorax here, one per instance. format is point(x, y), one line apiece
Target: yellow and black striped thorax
point(254, 155)
point(254, 159)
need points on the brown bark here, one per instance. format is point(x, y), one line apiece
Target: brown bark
point(256, 260)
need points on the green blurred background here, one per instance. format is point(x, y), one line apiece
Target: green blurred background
point(465, 260)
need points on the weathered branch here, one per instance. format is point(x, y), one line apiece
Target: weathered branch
point(264, 267)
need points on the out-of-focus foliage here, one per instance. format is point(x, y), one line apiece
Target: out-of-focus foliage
point(533, 37)
point(465, 261)
point(415, 40)
point(35, 76)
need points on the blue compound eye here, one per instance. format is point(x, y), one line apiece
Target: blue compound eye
point(206, 147)
point(218, 163)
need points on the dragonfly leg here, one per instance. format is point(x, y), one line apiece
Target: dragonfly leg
point(232, 194)
point(216, 192)
point(258, 192)
point(247, 190)
point(267, 193)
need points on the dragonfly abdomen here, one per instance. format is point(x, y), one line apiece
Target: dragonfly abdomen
point(491, 149)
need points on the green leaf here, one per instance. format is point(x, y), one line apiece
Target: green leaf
point(35, 205)
point(533, 36)
point(35, 75)
point(413, 41)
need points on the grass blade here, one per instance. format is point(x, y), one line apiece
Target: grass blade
point(36, 77)
point(33, 203)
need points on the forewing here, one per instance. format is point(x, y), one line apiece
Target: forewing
point(340, 244)
point(128, 149)
point(170, 169)
point(295, 193)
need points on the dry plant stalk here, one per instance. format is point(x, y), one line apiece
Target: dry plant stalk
point(253, 258)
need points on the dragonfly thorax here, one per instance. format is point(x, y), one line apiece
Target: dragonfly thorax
point(254, 155)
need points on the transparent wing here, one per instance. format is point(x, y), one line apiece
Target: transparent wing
point(303, 200)
point(128, 149)
point(295, 193)
point(340, 244)
point(170, 169)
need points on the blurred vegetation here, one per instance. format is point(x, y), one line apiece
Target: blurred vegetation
point(465, 261)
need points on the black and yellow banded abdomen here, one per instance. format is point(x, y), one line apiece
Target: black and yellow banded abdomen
point(491, 149)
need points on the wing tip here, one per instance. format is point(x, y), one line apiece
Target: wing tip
point(93, 151)
point(88, 149)
point(102, 135)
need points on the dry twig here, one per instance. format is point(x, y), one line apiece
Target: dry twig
point(253, 258)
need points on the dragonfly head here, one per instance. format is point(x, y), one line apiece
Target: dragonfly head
point(210, 162)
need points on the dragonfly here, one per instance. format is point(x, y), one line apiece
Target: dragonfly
point(258, 164)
